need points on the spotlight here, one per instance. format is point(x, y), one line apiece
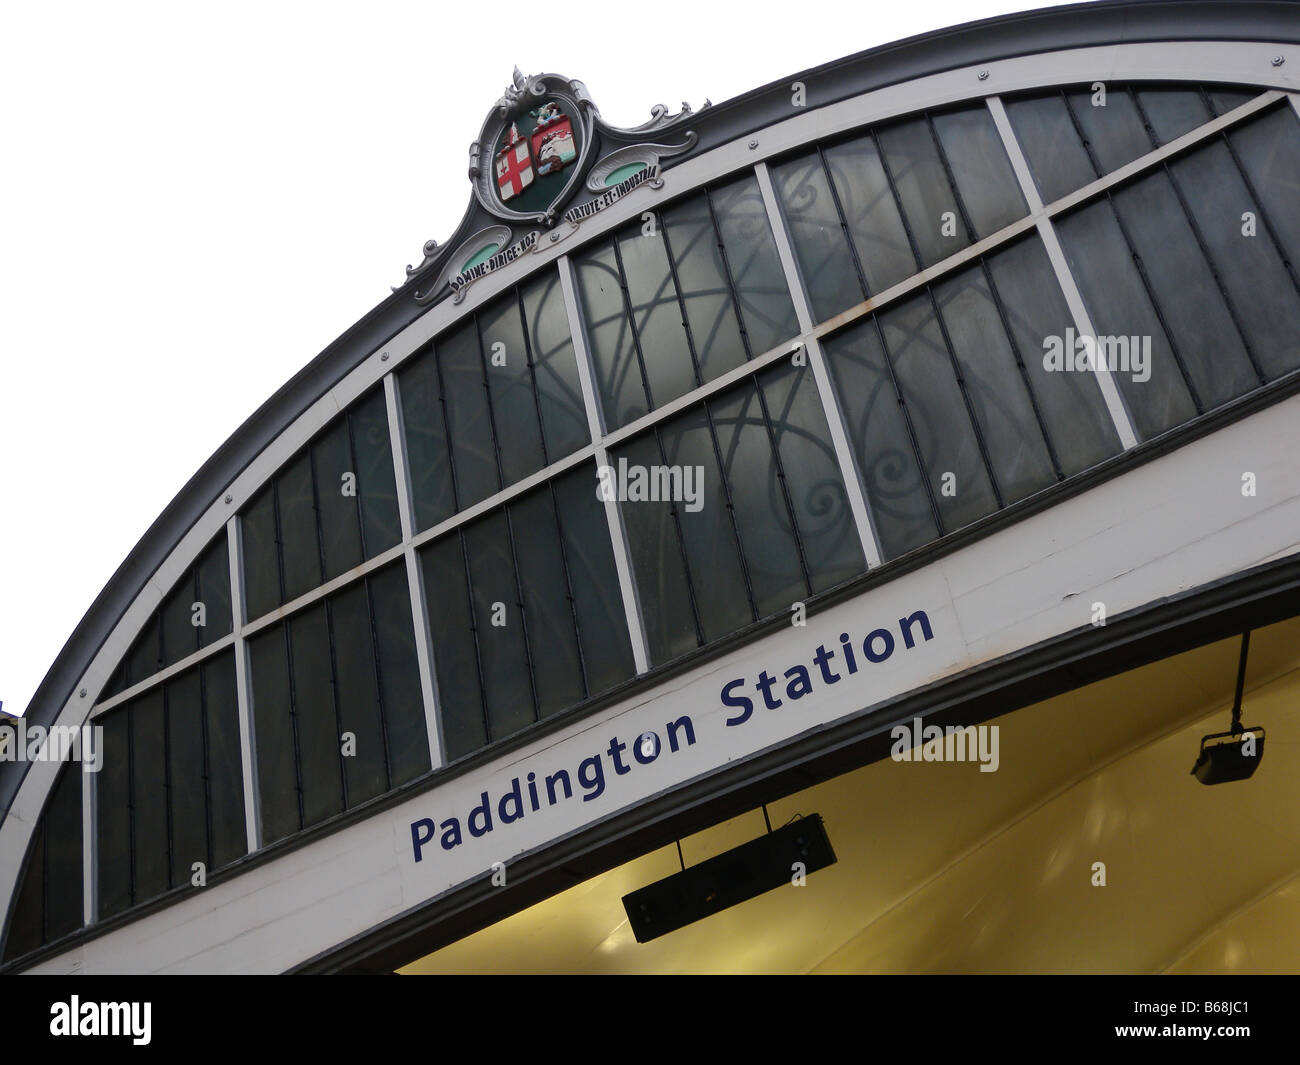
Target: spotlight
point(1235, 754)
point(1226, 756)
point(729, 878)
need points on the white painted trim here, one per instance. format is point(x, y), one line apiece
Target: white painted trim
point(498, 499)
point(596, 426)
point(850, 473)
point(1110, 394)
point(419, 618)
point(89, 833)
point(322, 591)
point(1152, 158)
point(163, 675)
point(244, 690)
point(1019, 164)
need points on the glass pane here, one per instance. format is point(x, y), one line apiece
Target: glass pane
point(61, 827)
point(547, 609)
point(426, 442)
point(944, 434)
point(408, 737)
point(145, 656)
point(451, 630)
point(148, 796)
point(1016, 448)
point(751, 256)
point(715, 331)
point(261, 559)
point(1070, 404)
point(613, 349)
point(26, 927)
point(1268, 149)
point(712, 553)
point(1257, 281)
point(871, 213)
point(299, 549)
point(1120, 308)
point(514, 408)
point(468, 426)
point(179, 636)
point(894, 484)
point(555, 369)
point(113, 815)
point(1226, 98)
point(1189, 298)
point(214, 592)
point(313, 709)
point(830, 540)
point(336, 486)
point(980, 167)
point(1173, 112)
point(817, 235)
point(117, 682)
point(376, 482)
point(657, 315)
point(1051, 144)
point(929, 204)
point(358, 694)
point(277, 772)
point(597, 600)
point(758, 496)
point(186, 787)
point(225, 769)
point(1114, 131)
point(657, 560)
point(499, 625)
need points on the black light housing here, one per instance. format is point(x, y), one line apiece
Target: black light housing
point(1225, 760)
point(1235, 754)
point(728, 879)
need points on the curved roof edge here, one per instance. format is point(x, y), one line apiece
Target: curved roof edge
point(1002, 37)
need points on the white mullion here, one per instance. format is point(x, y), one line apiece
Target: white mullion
point(89, 866)
point(596, 426)
point(834, 415)
point(495, 501)
point(324, 591)
point(424, 652)
point(243, 689)
point(1110, 393)
point(1295, 102)
point(1142, 163)
point(212, 650)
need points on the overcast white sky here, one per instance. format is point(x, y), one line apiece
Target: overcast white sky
point(197, 199)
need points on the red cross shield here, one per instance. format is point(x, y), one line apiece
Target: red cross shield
point(515, 171)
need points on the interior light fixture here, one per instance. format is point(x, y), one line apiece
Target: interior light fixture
point(778, 858)
point(1235, 754)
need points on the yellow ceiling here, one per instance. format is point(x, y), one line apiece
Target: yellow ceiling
point(942, 868)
